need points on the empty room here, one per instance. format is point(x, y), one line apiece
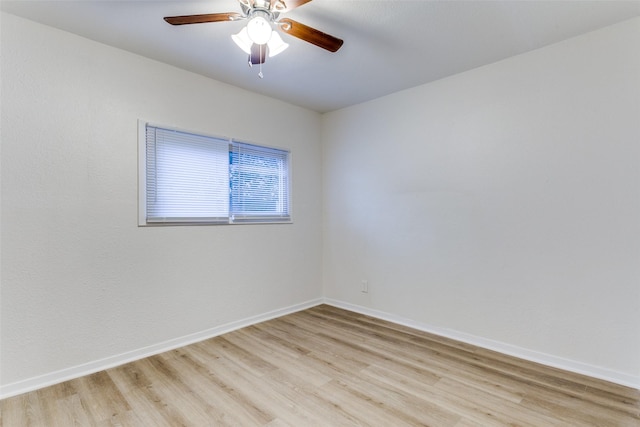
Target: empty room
point(319, 213)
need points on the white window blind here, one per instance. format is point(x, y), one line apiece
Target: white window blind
point(187, 177)
point(259, 183)
point(190, 178)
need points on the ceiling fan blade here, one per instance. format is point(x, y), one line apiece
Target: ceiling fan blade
point(311, 35)
point(286, 5)
point(200, 19)
point(258, 54)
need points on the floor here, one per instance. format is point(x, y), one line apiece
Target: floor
point(327, 367)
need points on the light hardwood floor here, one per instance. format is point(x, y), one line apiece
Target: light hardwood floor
point(327, 367)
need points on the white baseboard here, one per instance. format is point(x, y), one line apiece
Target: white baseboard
point(66, 374)
point(511, 350)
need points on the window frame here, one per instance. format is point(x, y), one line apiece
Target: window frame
point(142, 183)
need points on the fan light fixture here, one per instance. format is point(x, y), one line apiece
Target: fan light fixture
point(258, 30)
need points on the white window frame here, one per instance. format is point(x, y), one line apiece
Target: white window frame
point(143, 220)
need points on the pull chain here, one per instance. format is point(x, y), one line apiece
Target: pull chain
point(260, 73)
point(261, 58)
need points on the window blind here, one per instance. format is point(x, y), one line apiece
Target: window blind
point(190, 179)
point(187, 177)
point(259, 179)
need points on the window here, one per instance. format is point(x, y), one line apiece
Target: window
point(187, 178)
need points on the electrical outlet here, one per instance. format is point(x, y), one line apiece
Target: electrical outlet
point(365, 286)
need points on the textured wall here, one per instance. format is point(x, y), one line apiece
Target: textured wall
point(502, 203)
point(80, 280)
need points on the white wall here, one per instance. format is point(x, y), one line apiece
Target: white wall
point(80, 281)
point(501, 204)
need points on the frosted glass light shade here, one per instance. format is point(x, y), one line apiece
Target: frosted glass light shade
point(259, 30)
point(276, 44)
point(243, 41)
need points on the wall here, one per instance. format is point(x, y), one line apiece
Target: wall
point(500, 205)
point(82, 284)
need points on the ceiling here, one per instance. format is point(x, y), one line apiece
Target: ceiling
point(388, 45)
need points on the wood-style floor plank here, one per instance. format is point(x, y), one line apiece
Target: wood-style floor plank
point(328, 367)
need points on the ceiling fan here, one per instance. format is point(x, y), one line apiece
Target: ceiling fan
point(258, 39)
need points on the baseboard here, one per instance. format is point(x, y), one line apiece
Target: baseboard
point(511, 350)
point(66, 374)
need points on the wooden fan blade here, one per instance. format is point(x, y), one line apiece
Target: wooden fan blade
point(311, 35)
point(201, 19)
point(258, 54)
point(286, 5)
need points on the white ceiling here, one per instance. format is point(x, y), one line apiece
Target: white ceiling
point(388, 45)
